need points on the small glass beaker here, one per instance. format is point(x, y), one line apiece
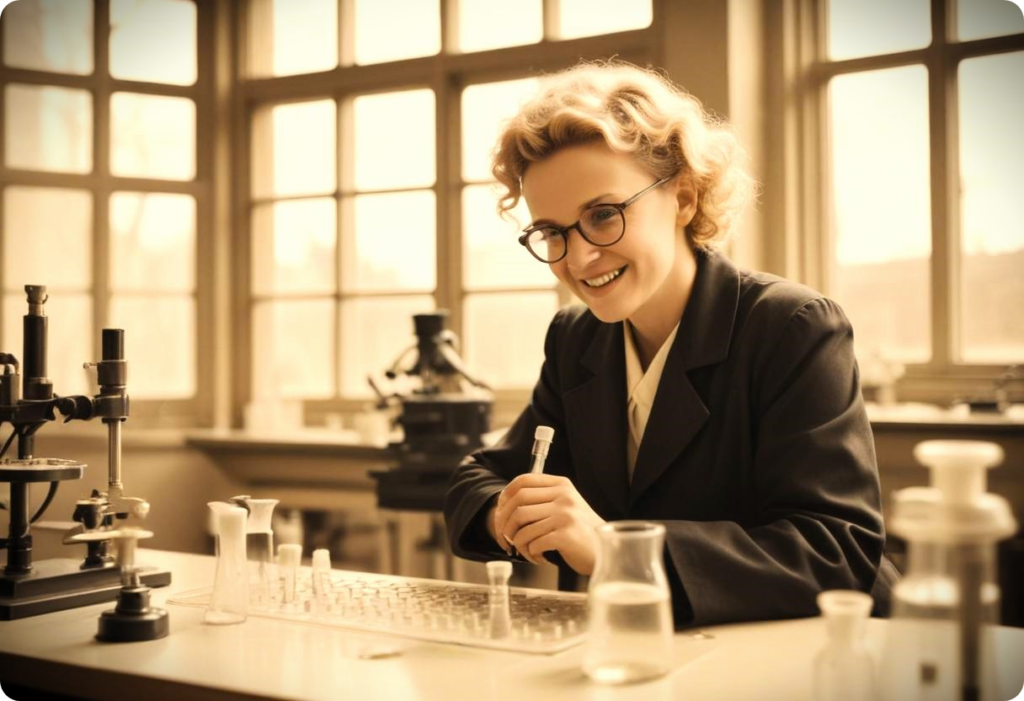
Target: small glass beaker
point(630, 619)
point(229, 601)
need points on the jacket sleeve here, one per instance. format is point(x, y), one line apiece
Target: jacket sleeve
point(484, 473)
point(816, 521)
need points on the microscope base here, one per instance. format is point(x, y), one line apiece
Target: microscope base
point(59, 584)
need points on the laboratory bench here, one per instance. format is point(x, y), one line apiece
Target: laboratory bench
point(266, 658)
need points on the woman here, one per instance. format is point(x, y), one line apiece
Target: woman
point(722, 403)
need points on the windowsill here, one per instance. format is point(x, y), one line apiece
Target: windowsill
point(319, 441)
point(911, 415)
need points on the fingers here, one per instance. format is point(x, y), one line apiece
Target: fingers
point(530, 480)
point(526, 537)
point(523, 497)
point(525, 515)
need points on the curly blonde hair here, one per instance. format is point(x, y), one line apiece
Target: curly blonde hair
point(635, 111)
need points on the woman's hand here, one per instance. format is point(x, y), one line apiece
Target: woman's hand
point(538, 513)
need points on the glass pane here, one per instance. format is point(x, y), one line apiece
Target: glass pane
point(159, 343)
point(395, 246)
point(394, 143)
point(48, 129)
point(47, 238)
point(882, 210)
point(153, 40)
point(294, 149)
point(293, 349)
point(871, 27)
point(992, 210)
point(492, 24)
point(69, 339)
point(492, 257)
point(293, 247)
point(364, 354)
point(504, 336)
point(585, 18)
point(152, 242)
point(390, 30)
point(152, 136)
point(484, 107)
point(49, 35)
point(288, 37)
point(980, 19)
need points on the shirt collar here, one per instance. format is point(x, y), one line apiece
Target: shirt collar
point(642, 386)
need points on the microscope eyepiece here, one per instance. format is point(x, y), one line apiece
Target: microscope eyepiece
point(113, 344)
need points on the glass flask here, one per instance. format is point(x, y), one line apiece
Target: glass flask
point(630, 628)
point(939, 642)
point(843, 669)
point(229, 602)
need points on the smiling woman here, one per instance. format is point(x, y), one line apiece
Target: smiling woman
point(720, 402)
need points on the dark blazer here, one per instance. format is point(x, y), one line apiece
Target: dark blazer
point(757, 457)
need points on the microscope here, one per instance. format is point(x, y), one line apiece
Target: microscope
point(443, 419)
point(28, 403)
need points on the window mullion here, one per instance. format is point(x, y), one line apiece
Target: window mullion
point(101, 171)
point(945, 267)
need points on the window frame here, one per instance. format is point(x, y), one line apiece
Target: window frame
point(798, 143)
point(100, 183)
point(447, 73)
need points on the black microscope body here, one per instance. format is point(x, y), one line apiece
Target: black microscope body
point(441, 423)
point(28, 403)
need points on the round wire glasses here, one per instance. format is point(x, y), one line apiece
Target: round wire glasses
point(601, 224)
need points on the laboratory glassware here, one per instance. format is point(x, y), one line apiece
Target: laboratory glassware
point(499, 621)
point(843, 668)
point(229, 600)
point(939, 643)
point(259, 548)
point(630, 619)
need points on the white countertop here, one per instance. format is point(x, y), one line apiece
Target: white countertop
point(275, 659)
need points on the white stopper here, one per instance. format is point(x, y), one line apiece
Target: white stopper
point(544, 433)
point(289, 554)
point(845, 612)
point(499, 570)
point(958, 467)
point(321, 559)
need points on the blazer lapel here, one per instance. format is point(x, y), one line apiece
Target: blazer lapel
point(595, 414)
point(704, 337)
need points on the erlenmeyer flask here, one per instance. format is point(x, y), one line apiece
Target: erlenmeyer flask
point(630, 628)
point(229, 601)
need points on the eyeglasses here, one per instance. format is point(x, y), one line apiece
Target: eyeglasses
point(602, 224)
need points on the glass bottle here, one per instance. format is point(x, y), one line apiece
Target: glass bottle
point(229, 601)
point(843, 669)
point(630, 632)
point(939, 642)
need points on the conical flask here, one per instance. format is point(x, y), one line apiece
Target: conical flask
point(630, 627)
point(229, 602)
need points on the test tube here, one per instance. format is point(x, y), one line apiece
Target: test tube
point(542, 438)
point(323, 590)
point(289, 555)
point(500, 622)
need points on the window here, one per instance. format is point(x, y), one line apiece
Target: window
point(923, 180)
point(113, 234)
point(371, 197)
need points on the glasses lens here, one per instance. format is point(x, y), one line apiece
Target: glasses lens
point(603, 224)
point(547, 244)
